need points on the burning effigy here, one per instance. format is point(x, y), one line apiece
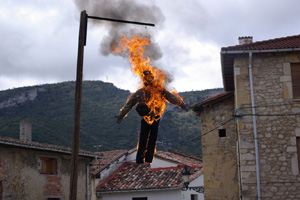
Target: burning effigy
point(150, 98)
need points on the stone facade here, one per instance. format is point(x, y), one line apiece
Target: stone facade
point(21, 177)
point(276, 133)
point(220, 166)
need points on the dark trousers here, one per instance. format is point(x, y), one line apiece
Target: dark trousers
point(147, 142)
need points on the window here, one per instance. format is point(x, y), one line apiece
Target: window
point(139, 198)
point(222, 132)
point(194, 197)
point(0, 190)
point(298, 151)
point(295, 72)
point(47, 165)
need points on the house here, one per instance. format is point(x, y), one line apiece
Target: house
point(32, 170)
point(251, 132)
point(160, 180)
point(220, 164)
point(102, 168)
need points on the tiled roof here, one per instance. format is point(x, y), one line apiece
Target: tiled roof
point(107, 157)
point(141, 177)
point(180, 158)
point(289, 42)
point(284, 44)
point(42, 146)
point(220, 97)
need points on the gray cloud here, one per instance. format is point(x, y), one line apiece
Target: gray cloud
point(123, 10)
point(39, 38)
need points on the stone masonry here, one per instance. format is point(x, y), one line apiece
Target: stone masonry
point(220, 166)
point(278, 161)
point(21, 178)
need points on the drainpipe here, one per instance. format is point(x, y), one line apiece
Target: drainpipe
point(88, 178)
point(88, 181)
point(254, 127)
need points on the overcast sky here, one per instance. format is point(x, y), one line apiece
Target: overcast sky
point(39, 38)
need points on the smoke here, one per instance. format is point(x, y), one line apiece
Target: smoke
point(125, 10)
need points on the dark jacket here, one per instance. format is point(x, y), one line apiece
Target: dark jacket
point(144, 95)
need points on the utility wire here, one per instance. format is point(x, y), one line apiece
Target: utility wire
point(234, 117)
point(265, 106)
point(267, 115)
point(222, 124)
point(197, 137)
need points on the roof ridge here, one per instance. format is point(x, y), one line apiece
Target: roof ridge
point(166, 168)
point(140, 177)
point(125, 164)
point(42, 146)
point(184, 154)
point(263, 42)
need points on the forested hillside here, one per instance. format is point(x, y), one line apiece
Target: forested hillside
point(50, 108)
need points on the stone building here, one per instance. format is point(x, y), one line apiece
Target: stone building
point(256, 131)
point(219, 147)
point(32, 170)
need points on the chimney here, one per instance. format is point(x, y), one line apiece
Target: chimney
point(245, 40)
point(25, 130)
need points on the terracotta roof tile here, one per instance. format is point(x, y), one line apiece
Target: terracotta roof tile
point(277, 43)
point(198, 106)
point(132, 176)
point(107, 157)
point(42, 146)
point(180, 158)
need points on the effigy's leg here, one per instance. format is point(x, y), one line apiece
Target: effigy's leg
point(142, 145)
point(152, 142)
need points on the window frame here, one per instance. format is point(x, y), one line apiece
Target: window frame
point(194, 196)
point(47, 165)
point(222, 133)
point(295, 78)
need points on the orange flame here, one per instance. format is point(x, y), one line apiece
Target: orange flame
point(135, 47)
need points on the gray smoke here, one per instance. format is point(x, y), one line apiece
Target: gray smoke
point(129, 10)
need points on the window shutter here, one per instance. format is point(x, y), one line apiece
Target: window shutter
point(298, 150)
point(295, 72)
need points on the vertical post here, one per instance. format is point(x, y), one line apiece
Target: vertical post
point(77, 107)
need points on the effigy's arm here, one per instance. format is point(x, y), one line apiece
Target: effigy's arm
point(175, 99)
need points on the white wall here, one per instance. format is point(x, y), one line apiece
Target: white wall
point(131, 157)
point(160, 163)
point(186, 195)
point(112, 167)
point(152, 195)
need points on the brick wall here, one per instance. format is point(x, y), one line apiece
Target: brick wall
point(53, 186)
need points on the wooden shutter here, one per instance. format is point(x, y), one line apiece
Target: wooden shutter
point(48, 166)
point(298, 151)
point(1, 190)
point(295, 71)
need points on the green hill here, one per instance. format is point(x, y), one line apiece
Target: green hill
point(50, 108)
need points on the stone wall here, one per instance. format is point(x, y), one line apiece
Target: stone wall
point(219, 153)
point(276, 134)
point(21, 178)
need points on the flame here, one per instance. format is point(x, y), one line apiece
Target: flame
point(135, 48)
